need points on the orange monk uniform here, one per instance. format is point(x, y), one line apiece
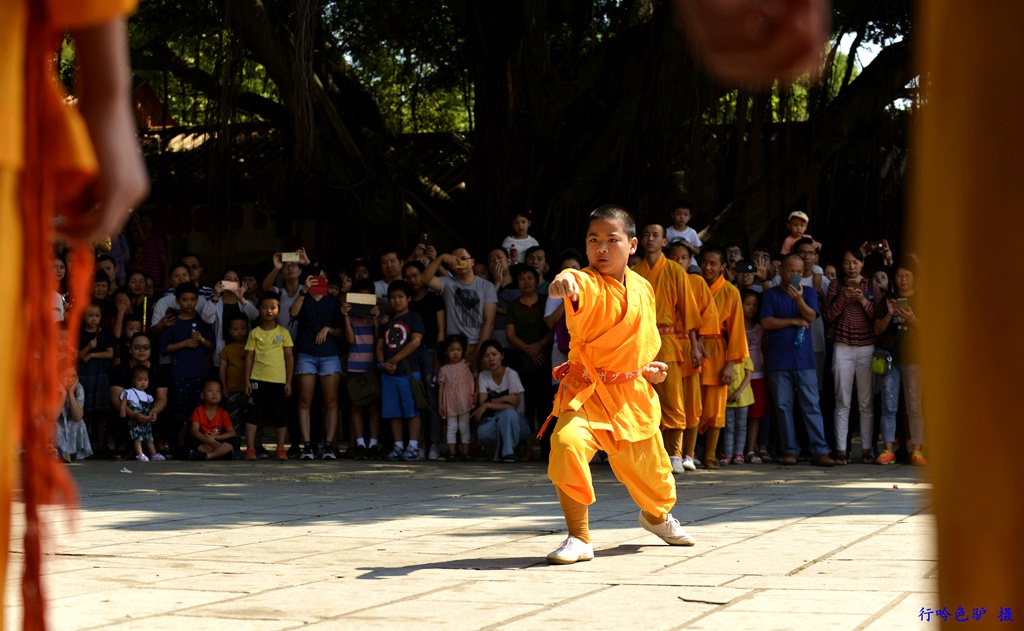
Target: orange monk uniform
point(966, 202)
point(34, 121)
point(709, 326)
point(676, 313)
point(604, 403)
point(729, 344)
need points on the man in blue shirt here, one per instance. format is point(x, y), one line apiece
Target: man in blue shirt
point(787, 312)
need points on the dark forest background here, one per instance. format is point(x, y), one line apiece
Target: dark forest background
point(381, 120)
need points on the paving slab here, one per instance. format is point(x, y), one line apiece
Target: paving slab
point(354, 545)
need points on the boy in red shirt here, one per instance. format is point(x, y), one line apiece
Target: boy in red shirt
point(212, 432)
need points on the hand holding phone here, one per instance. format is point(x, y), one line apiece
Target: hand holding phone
point(317, 286)
point(289, 257)
point(794, 281)
point(229, 285)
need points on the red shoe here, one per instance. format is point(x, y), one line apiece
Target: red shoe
point(282, 454)
point(250, 454)
point(917, 458)
point(886, 457)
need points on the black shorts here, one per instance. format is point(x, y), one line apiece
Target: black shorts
point(268, 404)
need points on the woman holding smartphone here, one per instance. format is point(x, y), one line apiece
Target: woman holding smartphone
point(228, 300)
point(850, 309)
point(895, 325)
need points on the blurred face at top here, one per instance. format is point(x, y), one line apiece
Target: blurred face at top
point(680, 254)
point(792, 265)
point(495, 256)
point(852, 265)
point(526, 283)
point(108, 268)
point(59, 269)
point(681, 216)
point(492, 358)
point(195, 270)
point(391, 266)
point(733, 254)
point(414, 277)
point(290, 271)
point(346, 283)
point(711, 266)
point(100, 290)
point(609, 247)
point(179, 275)
point(520, 226)
point(904, 280)
point(361, 271)
point(137, 284)
point(652, 239)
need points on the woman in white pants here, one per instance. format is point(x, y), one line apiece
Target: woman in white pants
point(849, 308)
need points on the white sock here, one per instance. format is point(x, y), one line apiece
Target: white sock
point(414, 444)
point(399, 445)
point(361, 442)
point(373, 442)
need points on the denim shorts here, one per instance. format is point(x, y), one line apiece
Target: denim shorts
point(313, 365)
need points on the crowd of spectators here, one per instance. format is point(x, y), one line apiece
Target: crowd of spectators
point(456, 350)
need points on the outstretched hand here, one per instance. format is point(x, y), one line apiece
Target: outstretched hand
point(564, 286)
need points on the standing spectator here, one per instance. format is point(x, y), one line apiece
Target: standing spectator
point(786, 313)
point(430, 306)
point(679, 231)
point(286, 295)
point(95, 355)
point(470, 302)
point(106, 265)
point(189, 342)
point(813, 276)
point(520, 240)
point(60, 271)
point(757, 447)
point(137, 407)
point(360, 333)
point(228, 300)
point(531, 338)
point(269, 367)
point(195, 274)
point(537, 258)
point(896, 325)
point(397, 341)
point(849, 308)
point(500, 267)
point(317, 355)
point(457, 394)
point(121, 254)
point(391, 268)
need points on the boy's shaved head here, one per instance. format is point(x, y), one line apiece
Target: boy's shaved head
point(615, 214)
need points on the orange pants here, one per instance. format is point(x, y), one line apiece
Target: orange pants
point(692, 399)
point(670, 393)
point(713, 399)
point(642, 466)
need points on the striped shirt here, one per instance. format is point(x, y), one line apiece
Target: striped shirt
point(849, 322)
point(361, 354)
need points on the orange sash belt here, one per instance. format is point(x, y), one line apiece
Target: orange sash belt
point(670, 329)
point(576, 370)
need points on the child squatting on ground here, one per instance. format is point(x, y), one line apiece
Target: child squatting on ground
point(602, 403)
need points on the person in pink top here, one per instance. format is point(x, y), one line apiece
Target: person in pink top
point(457, 394)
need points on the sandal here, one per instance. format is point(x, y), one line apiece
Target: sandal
point(753, 458)
point(840, 459)
point(868, 458)
point(450, 458)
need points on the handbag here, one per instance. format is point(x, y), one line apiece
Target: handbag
point(881, 362)
point(364, 388)
point(419, 395)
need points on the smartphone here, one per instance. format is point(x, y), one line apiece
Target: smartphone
point(171, 313)
point(901, 303)
point(853, 283)
point(876, 246)
point(230, 285)
point(318, 287)
point(426, 239)
point(794, 280)
point(289, 257)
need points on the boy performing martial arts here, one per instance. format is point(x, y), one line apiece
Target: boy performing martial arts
point(606, 400)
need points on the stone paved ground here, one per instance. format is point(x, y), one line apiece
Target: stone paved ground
point(268, 545)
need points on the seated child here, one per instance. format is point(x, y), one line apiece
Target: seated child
point(212, 434)
point(137, 406)
point(72, 437)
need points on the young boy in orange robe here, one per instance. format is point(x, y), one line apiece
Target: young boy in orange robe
point(709, 327)
point(606, 400)
point(678, 318)
point(724, 349)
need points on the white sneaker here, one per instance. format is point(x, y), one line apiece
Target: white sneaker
point(142, 458)
point(677, 464)
point(571, 551)
point(435, 453)
point(688, 464)
point(670, 531)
